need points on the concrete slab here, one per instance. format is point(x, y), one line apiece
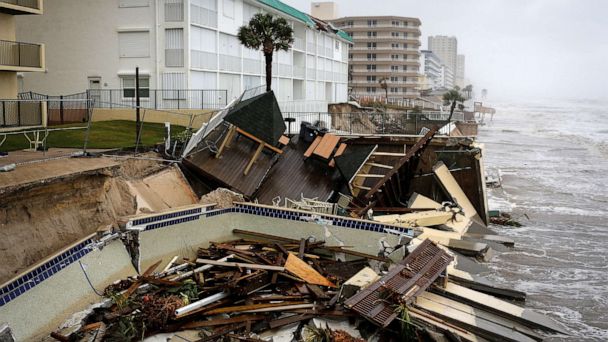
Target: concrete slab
point(26, 156)
point(47, 171)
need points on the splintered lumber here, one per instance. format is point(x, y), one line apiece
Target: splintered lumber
point(451, 187)
point(418, 201)
point(288, 320)
point(416, 149)
point(500, 307)
point(419, 219)
point(317, 246)
point(483, 285)
point(312, 147)
point(222, 321)
point(300, 268)
point(442, 325)
point(493, 238)
point(466, 320)
point(240, 265)
point(249, 308)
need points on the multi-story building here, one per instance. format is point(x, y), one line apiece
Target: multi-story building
point(446, 48)
point(385, 47)
point(325, 10)
point(447, 77)
point(459, 77)
point(184, 44)
point(431, 67)
point(17, 56)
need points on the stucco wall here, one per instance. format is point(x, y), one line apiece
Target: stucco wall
point(8, 85)
point(150, 115)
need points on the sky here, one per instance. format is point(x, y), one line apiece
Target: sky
point(531, 49)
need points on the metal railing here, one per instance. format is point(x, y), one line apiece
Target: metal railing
point(371, 123)
point(20, 54)
point(62, 109)
point(160, 98)
point(23, 3)
point(20, 113)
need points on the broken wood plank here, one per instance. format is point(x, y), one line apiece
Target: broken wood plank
point(298, 267)
point(388, 167)
point(240, 265)
point(276, 323)
point(248, 308)
point(222, 321)
point(312, 147)
point(257, 153)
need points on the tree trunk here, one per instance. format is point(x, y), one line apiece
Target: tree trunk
point(452, 111)
point(268, 71)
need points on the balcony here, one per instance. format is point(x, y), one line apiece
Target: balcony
point(17, 56)
point(18, 7)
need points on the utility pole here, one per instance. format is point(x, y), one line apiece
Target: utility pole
point(137, 117)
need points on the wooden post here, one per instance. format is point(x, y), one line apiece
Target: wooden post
point(226, 141)
point(254, 158)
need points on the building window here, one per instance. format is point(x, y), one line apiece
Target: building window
point(372, 23)
point(134, 44)
point(349, 23)
point(394, 79)
point(394, 34)
point(372, 33)
point(371, 78)
point(395, 45)
point(371, 89)
point(394, 57)
point(371, 56)
point(371, 67)
point(394, 90)
point(350, 56)
point(395, 23)
point(128, 86)
point(394, 67)
point(371, 46)
point(404, 79)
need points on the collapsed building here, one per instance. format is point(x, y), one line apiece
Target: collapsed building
point(339, 224)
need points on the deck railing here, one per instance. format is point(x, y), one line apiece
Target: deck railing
point(20, 54)
point(362, 123)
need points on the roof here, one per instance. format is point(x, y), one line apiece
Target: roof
point(307, 19)
point(259, 116)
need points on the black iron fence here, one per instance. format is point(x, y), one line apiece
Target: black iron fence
point(25, 3)
point(160, 98)
point(18, 113)
point(20, 54)
point(370, 122)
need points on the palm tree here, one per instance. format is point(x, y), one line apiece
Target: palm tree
point(384, 86)
point(452, 96)
point(469, 90)
point(268, 33)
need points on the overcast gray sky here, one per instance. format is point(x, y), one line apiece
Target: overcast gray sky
point(514, 48)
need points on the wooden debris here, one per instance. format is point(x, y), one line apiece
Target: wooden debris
point(301, 269)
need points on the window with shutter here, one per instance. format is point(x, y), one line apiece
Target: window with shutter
point(134, 44)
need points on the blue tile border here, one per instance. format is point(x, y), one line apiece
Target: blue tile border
point(162, 217)
point(44, 271)
point(68, 257)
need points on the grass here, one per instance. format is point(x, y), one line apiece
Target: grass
point(104, 134)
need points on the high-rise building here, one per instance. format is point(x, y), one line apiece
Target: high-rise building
point(17, 56)
point(184, 44)
point(447, 77)
point(459, 77)
point(326, 10)
point(385, 48)
point(431, 67)
point(446, 48)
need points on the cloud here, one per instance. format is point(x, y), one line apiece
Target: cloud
point(515, 48)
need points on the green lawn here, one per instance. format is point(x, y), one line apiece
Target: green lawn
point(104, 134)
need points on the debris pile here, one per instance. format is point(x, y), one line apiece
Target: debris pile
point(252, 288)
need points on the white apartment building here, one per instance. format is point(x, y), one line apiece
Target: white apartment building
point(431, 67)
point(183, 44)
point(447, 77)
point(446, 48)
point(459, 77)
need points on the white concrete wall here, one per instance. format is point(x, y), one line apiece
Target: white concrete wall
point(82, 39)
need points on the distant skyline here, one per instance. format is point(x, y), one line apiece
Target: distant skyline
point(514, 48)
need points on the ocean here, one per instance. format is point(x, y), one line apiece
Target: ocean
point(553, 160)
